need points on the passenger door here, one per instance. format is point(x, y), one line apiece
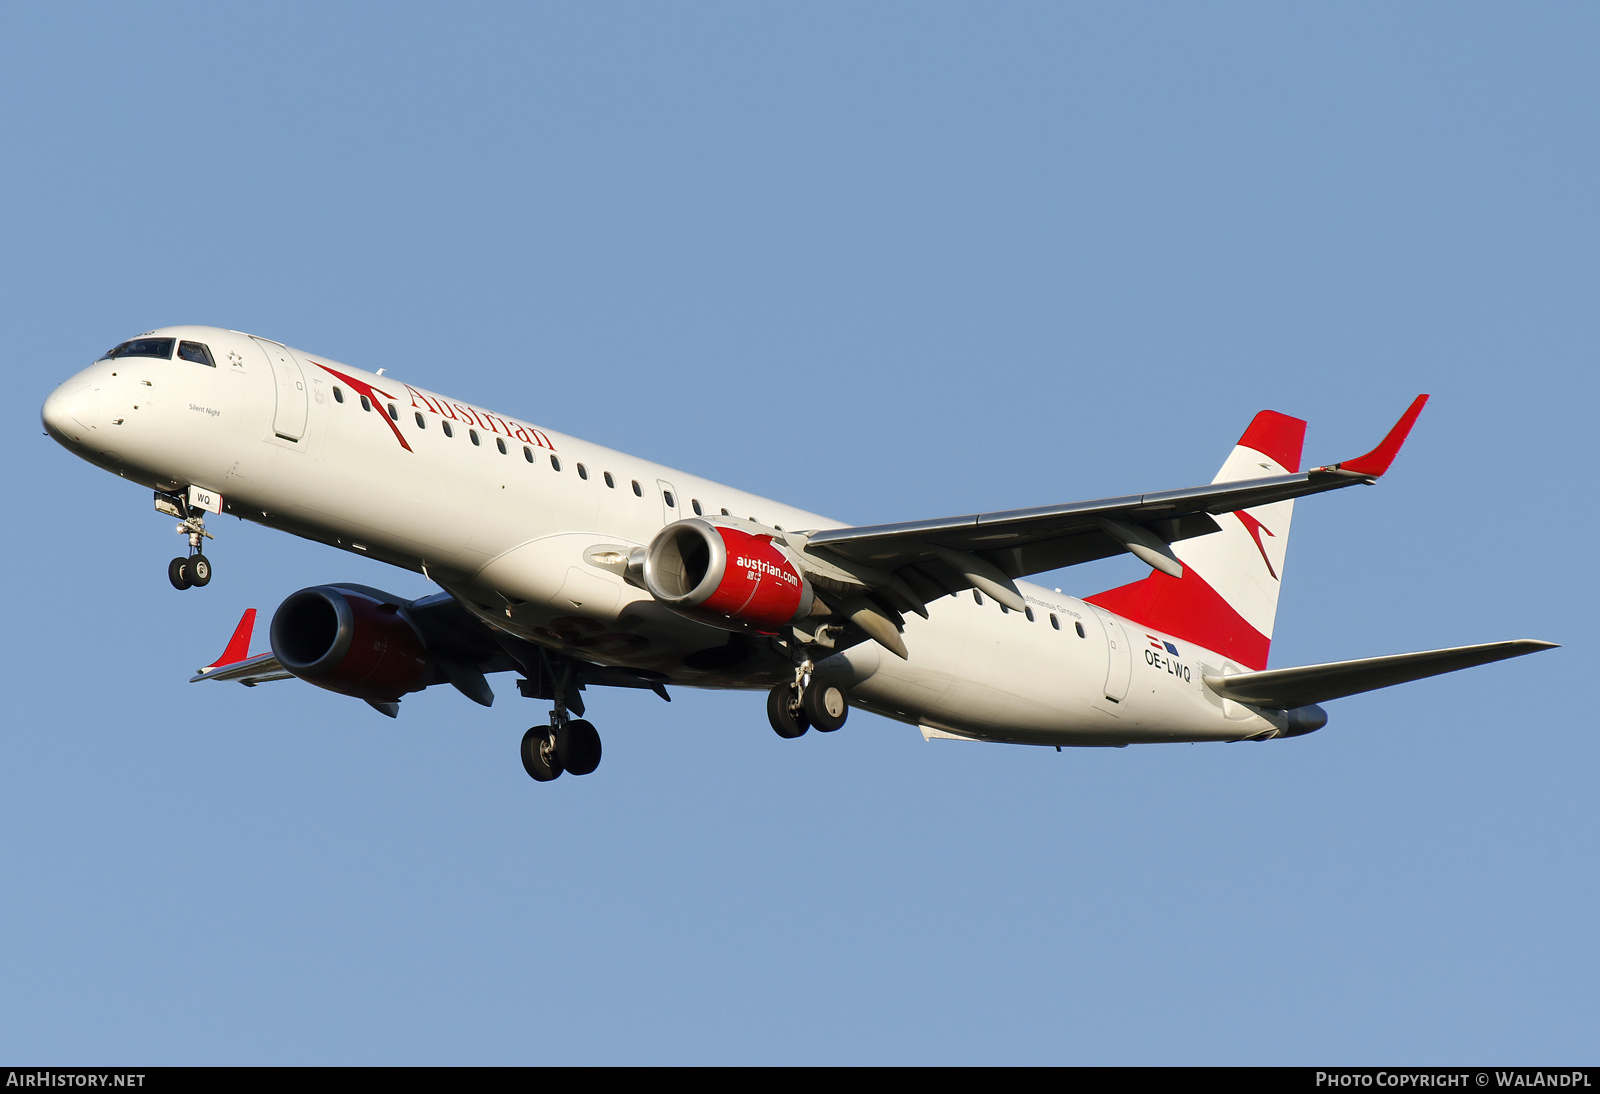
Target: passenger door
point(289, 417)
point(1119, 663)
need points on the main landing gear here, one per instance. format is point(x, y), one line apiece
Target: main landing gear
point(566, 744)
point(806, 703)
point(573, 747)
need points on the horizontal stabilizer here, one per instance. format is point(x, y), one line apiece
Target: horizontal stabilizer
point(1298, 687)
point(249, 672)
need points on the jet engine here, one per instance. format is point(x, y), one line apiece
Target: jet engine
point(725, 577)
point(1302, 720)
point(352, 641)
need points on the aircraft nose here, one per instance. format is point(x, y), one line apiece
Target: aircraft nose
point(72, 410)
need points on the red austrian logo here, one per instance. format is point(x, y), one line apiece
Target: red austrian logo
point(1255, 528)
point(457, 412)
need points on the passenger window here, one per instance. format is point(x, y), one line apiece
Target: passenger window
point(726, 513)
point(696, 503)
point(338, 394)
point(1003, 609)
point(500, 443)
point(473, 435)
point(366, 404)
point(1054, 622)
point(611, 483)
point(527, 453)
point(1029, 613)
point(555, 463)
point(583, 472)
point(977, 597)
point(448, 432)
point(636, 491)
point(394, 415)
point(666, 496)
point(1079, 628)
point(420, 423)
point(196, 352)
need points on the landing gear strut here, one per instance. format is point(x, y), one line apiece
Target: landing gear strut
point(566, 744)
point(806, 703)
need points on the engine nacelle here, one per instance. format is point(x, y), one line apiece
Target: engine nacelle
point(350, 642)
point(725, 577)
point(1302, 720)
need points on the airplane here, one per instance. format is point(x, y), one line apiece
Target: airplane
point(577, 567)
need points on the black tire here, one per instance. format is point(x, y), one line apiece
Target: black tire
point(825, 706)
point(178, 573)
point(578, 745)
point(199, 570)
point(539, 756)
point(787, 722)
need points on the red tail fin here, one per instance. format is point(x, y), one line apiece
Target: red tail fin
point(1227, 598)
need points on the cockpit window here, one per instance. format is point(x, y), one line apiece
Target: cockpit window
point(196, 352)
point(143, 347)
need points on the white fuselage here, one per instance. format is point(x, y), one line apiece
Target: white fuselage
point(501, 513)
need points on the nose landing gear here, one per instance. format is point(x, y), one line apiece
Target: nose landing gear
point(194, 570)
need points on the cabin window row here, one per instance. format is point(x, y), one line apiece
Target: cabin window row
point(527, 454)
point(977, 598)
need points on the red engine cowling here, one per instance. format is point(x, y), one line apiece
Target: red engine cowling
point(350, 642)
point(725, 577)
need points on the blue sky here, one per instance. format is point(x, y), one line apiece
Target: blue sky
point(884, 262)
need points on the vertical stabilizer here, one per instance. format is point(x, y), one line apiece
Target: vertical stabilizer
point(1227, 598)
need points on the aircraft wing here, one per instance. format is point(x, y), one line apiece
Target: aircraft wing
point(1298, 687)
point(932, 558)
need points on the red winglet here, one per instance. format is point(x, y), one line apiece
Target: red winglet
point(1377, 461)
point(239, 645)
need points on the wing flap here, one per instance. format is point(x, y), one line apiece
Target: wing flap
point(1297, 687)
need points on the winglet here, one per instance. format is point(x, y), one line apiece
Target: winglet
point(1377, 461)
point(239, 645)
